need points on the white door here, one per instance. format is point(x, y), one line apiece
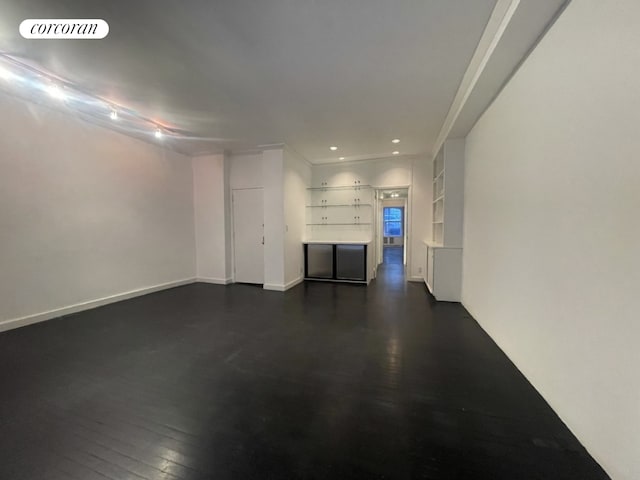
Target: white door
point(248, 235)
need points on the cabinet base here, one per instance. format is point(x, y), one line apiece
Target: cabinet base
point(332, 280)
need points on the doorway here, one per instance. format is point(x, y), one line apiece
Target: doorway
point(248, 235)
point(392, 228)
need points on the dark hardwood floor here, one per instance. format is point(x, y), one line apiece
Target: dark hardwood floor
point(392, 255)
point(326, 381)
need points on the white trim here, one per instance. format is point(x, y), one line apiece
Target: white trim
point(293, 283)
point(428, 286)
point(278, 287)
point(500, 17)
point(272, 146)
point(415, 279)
point(245, 151)
point(292, 151)
point(88, 305)
point(215, 281)
point(205, 153)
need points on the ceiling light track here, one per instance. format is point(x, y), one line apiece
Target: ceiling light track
point(30, 81)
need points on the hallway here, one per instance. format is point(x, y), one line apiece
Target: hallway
point(392, 255)
point(326, 381)
point(391, 272)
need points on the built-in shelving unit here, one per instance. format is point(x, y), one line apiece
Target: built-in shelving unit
point(324, 186)
point(345, 205)
point(339, 243)
point(444, 250)
point(352, 223)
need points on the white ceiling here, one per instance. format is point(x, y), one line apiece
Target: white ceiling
point(308, 73)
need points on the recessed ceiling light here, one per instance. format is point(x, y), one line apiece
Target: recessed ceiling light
point(341, 158)
point(55, 91)
point(395, 140)
point(158, 133)
point(396, 152)
point(114, 115)
point(333, 149)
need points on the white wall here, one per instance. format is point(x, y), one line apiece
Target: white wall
point(552, 195)
point(392, 172)
point(211, 200)
point(266, 170)
point(85, 214)
point(246, 171)
point(297, 178)
point(284, 175)
point(274, 223)
point(421, 216)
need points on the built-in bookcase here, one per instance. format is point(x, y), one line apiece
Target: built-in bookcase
point(438, 198)
point(444, 250)
point(448, 185)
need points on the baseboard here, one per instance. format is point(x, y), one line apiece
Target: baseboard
point(278, 287)
point(215, 281)
point(415, 279)
point(429, 287)
point(293, 283)
point(79, 307)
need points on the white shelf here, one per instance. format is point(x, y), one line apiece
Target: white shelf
point(340, 187)
point(334, 224)
point(341, 205)
point(340, 211)
point(444, 255)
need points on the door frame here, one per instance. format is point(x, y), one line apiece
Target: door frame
point(378, 233)
point(233, 231)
